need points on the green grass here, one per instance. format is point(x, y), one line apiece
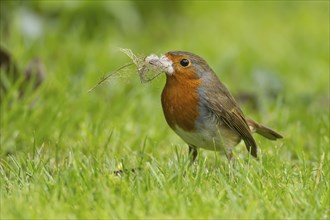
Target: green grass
point(61, 145)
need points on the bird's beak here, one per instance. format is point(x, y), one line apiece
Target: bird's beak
point(163, 63)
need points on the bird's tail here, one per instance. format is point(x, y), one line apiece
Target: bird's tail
point(262, 130)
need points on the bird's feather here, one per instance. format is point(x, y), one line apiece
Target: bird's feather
point(224, 107)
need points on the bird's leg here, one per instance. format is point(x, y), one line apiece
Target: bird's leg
point(231, 160)
point(192, 153)
point(192, 156)
point(230, 156)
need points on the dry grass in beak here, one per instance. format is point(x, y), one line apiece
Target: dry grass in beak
point(147, 71)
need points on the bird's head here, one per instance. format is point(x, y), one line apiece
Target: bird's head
point(181, 65)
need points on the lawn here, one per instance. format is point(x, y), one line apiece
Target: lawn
point(62, 145)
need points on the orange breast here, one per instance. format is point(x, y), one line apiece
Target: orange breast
point(180, 101)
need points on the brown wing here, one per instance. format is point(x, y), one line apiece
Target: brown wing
point(225, 108)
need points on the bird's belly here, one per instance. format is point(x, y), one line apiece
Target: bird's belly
point(213, 138)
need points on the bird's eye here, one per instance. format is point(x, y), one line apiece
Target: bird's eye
point(184, 62)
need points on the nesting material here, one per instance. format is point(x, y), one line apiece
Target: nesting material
point(148, 68)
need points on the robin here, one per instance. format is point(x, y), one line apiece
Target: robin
point(201, 110)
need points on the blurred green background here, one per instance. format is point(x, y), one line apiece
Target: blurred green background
point(276, 49)
point(273, 56)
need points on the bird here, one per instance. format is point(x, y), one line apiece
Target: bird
point(200, 109)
